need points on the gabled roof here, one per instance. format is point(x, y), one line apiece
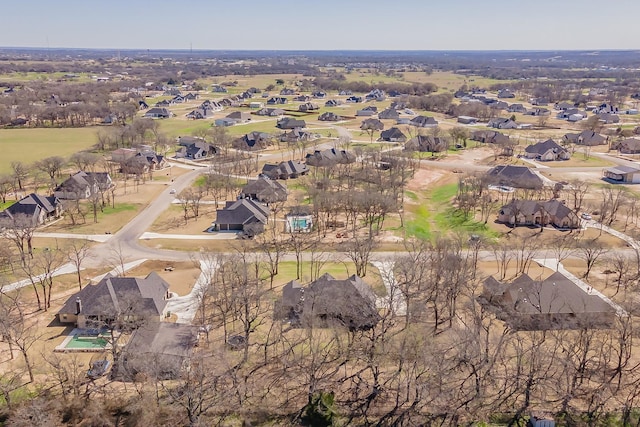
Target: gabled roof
point(113, 295)
point(81, 180)
point(389, 113)
point(350, 303)
point(242, 211)
point(288, 168)
point(393, 133)
point(514, 176)
point(329, 157)
point(290, 123)
point(553, 303)
point(423, 121)
point(31, 206)
point(265, 190)
point(541, 148)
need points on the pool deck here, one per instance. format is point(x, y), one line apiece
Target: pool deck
point(62, 347)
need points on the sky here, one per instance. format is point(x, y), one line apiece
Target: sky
point(323, 24)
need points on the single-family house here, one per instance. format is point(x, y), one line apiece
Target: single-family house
point(242, 215)
point(265, 190)
point(502, 123)
point(564, 106)
point(302, 98)
point(554, 303)
point(329, 302)
point(423, 121)
point(605, 109)
point(586, 137)
point(329, 116)
point(516, 108)
point(389, 114)
point(537, 112)
point(514, 176)
point(369, 110)
point(332, 103)
point(506, 93)
point(308, 106)
point(623, 174)
point(270, 112)
point(295, 135)
point(393, 135)
point(126, 300)
point(319, 94)
point(239, 116)
point(627, 146)
point(546, 151)
point(290, 123)
point(160, 350)
point(532, 212)
point(490, 137)
point(193, 148)
point(375, 95)
point(275, 100)
point(285, 170)
point(287, 91)
point(253, 141)
point(427, 143)
point(467, 120)
point(371, 124)
point(83, 185)
point(345, 93)
point(158, 113)
point(354, 99)
point(329, 157)
point(35, 208)
point(608, 118)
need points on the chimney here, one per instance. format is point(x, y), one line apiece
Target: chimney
point(78, 305)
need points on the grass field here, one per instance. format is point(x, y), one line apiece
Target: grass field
point(435, 214)
point(29, 145)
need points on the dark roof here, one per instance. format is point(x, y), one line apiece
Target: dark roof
point(158, 348)
point(242, 212)
point(327, 301)
point(290, 123)
point(529, 207)
point(82, 180)
point(31, 206)
point(265, 190)
point(118, 294)
point(552, 303)
point(393, 133)
point(426, 143)
point(329, 157)
point(542, 147)
point(288, 169)
point(423, 121)
point(514, 176)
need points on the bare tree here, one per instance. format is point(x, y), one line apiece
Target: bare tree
point(590, 251)
point(77, 251)
point(20, 173)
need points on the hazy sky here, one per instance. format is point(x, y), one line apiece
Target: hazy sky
point(323, 24)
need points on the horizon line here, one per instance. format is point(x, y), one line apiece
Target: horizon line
point(187, 50)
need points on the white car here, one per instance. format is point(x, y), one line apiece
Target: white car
point(172, 191)
point(586, 216)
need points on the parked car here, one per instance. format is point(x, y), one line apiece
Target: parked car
point(172, 191)
point(586, 216)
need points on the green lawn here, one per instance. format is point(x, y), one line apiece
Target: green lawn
point(287, 272)
point(29, 145)
point(436, 214)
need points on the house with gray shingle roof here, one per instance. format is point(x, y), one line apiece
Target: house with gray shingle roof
point(285, 170)
point(242, 215)
point(39, 209)
point(128, 299)
point(553, 303)
point(514, 176)
point(393, 135)
point(546, 151)
point(329, 302)
point(533, 212)
point(265, 190)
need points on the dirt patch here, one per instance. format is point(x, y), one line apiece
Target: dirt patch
point(423, 178)
point(181, 276)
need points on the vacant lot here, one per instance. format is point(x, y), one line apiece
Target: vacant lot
point(29, 145)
